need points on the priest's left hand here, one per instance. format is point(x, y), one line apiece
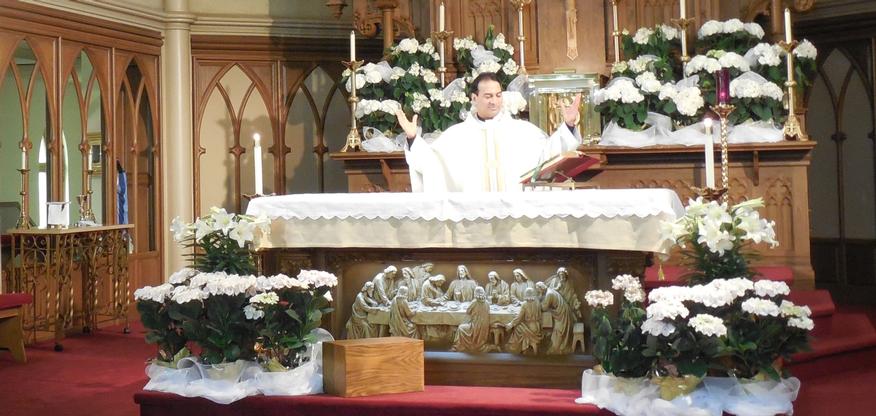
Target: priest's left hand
point(570, 113)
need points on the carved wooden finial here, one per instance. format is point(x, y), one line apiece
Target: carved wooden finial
point(337, 6)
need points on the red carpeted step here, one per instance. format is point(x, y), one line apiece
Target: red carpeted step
point(675, 275)
point(849, 330)
point(819, 301)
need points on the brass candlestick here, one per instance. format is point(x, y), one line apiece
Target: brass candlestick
point(439, 37)
point(792, 130)
point(354, 142)
point(615, 32)
point(682, 24)
point(85, 199)
point(519, 5)
point(709, 194)
point(23, 220)
point(723, 111)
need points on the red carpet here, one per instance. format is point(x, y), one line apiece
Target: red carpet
point(98, 375)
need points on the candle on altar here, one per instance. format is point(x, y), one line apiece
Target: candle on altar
point(257, 162)
point(616, 32)
point(23, 159)
point(710, 154)
point(683, 7)
point(90, 158)
point(441, 17)
point(722, 81)
point(352, 46)
point(788, 36)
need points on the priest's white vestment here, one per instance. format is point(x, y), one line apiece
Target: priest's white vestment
point(483, 155)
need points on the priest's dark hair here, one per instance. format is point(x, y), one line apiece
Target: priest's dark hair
point(483, 76)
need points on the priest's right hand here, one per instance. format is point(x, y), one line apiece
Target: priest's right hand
point(409, 126)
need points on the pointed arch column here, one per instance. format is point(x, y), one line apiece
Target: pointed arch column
point(177, 144)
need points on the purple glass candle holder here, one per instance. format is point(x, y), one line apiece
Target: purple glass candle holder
point(722, 78)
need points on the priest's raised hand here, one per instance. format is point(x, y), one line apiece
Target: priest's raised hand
point(489, 151)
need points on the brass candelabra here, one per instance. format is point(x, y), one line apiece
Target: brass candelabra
point(354, 141)
point(439, 37)
point(86, 213)
point(521, 38)
point(682, 24)
point(792, 129)
point(23, 220)
point(723, 111)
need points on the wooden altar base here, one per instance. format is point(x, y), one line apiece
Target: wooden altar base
point(588, 269)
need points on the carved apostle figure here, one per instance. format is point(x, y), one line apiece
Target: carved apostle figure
point(519, 286)
point(407, 279)
point(462, 289)
point(401, 316)
point(358, 325)
point(526, 326)
point(498, 292)
point(432, 293)
point(562, 284)
point(422, 273)
point(563, 321)
point(384, 285)
point(473, 335)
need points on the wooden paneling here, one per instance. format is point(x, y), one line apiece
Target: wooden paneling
point(131, 113)
point(370, 366)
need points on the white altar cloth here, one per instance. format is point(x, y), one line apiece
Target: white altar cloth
point(615, 219)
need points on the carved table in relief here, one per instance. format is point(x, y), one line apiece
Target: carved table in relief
point(45, 263)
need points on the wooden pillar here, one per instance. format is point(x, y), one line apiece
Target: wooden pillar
point(387, 8)
point(777, 14)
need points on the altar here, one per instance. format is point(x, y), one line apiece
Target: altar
point(594, 234)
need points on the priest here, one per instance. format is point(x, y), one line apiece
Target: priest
point(489, 151)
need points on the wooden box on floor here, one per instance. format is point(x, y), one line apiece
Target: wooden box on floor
point(370, 366)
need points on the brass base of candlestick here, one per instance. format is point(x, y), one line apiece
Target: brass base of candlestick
point(23, 218)
point(792, 129)
point(85, 212)
point(709, 194)
point(354, 142)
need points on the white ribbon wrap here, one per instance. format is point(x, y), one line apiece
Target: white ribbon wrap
point(229, 382)
point(716, 395)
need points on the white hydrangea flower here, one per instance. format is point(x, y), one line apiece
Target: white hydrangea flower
point(733, 60)
point(648, 82)
point(640, 64)
point(771, 90)
point(744, 88)
point(642, 36)
point(232, 285)
point(712, 27)
point(623, 90)
point(409, 45)
point(513, 102)
point(806, 50)
point(733, 25)
point(634, 295)
point(415, 69)
point(737, 286)
point(708, 325)
point(420, 102)
point(790, 310)
point(435, 94)
point(488, 66)
point(389, 106)
point(373, 77)
point(667, 309)
point(360, 82)
point(155, 294)
point(184, 294)
point(181, 276)
point(667, 91)
point(599, 298)
point(397, 73)
point(689, 101)
point(711, 296)
point(619, 67)
point(765, 54)
point(771, 288)
point(625, 282)
point(702, 63)
point(657, 328)
point(278, 282)
point(318, 278)
point(427, 47)
point(760, 307)
point(429, 76)
point(510, 67)
point(754, 29)
point(670, 294)
point(459, 97)
point(670, 32)
point(803, 323)
point(252, 313)
point(268, 298)
point(201, 279)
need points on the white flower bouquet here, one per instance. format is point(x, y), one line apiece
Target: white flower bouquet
point(618, 340)
point(221, 240)
point(731, 35)
point(657, 41)
point(622, 103)
point(756, 99)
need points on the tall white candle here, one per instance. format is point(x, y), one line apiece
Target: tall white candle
point(710, 154)
point(683, 8)
point(788, 36)
point(616, 32)
point(520, 30)
point(257, 162)
point(441, 17)
point(23, 159)
point(352, 46)
point(90, 158)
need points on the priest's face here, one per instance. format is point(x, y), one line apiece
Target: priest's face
point(488, 99)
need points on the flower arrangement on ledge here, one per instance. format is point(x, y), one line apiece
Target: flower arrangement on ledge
point(722, 326)
point(643, 92)
point(220, 305)
point(408, 79)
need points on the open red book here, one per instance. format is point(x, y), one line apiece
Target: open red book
point(561, 167)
